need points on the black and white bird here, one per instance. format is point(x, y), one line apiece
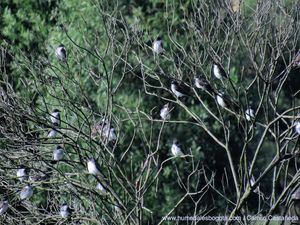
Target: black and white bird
point(26, 192)
point(176, 149)
point(157, 46)
point(65, 211)
point(101, 189)
point(53, 131)
point(22, 173)
point(58, 153)
point(55, 116)
point(297, 59)
point(61, 53)
point(165, 112)
point(203, 84)
point(249, 114)
point(3, 206)
point(109, 133)
point(178, 89)
point(93, 167)
point(218, 71)
point(106, 131)
point(220, 100)
point(297, 125)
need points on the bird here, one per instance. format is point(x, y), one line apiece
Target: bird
point(220, 100)
point(61, 53)
point(177, 89)
point(3, 206)
point(65, 211)
point(157, 46)
point(165, 112)
point(58, 153)
point(175, 149)
point(297, 126)
point(218, 71)
point(101, 189)
point(296, 194)
point(105, 131)
point(93, 167)
point(109, 133)
point(26, 192)
point(53, 131)
point(203, 84)
point(249, 114)
point(297, 59)
point(22, 173)
point(55, 116)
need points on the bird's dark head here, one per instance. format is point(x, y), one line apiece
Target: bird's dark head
point(55, 124)
point(175, 141)
point(56, 110)
point(91, 160)
point(58, 147)
point(64, 204)
point(174, 82)
point(61, 46)
point(159, 38)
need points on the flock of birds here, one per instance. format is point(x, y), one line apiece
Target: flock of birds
point(105, 130)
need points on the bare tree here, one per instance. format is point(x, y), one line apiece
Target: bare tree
point(226, 71)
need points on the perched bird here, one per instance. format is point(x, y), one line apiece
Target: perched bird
point(175, 149)
point(296, 194)
point(53, 131)
point(106, 131)
point(55, 116)
point(93, 167)
point(220, 100)
point(109, 133)
point(249, 114)
point(297, 126)
point(297, 59)
point(65, 211)
point(3, 206)
point(218, 71)
point(157, 45)
point(165, 112)
point(58, 153)
point(26, 192)
point(61, 53)
point(101, 189)
point(178, 90)
point(22, 173)
point(203, 84)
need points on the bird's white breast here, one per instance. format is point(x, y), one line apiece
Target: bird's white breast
point(92, 168)
point(217, 72)
point(176, 151)
point(26, 192)
point(177, 93)
point(249, 114)
point(54, 117)
point(157, 46)
point(221, 101)
point(64, 211)
point(297, 127)
point(58, 154)
point(165, 113)
point(52, 133)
